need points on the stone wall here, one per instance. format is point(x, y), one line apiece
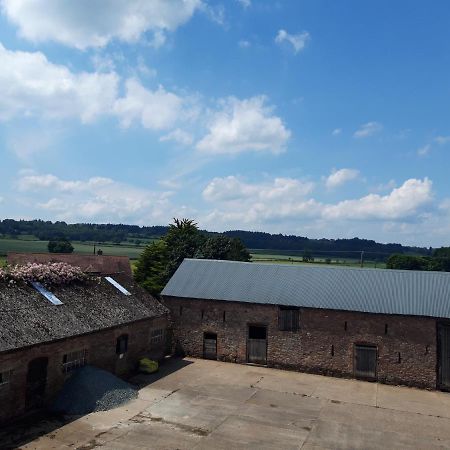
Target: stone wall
point(324, 343)
point(101, 350)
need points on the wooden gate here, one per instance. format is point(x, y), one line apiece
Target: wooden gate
point(257, 344)
point(36, 382)
point(210, 346)
point(444, 356)
point(365, 364)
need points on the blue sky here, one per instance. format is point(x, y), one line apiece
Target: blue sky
point(310, 117)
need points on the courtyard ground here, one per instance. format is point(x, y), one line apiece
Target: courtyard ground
point(198, 404)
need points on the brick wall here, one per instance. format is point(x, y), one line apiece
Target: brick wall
point(310, 348)
point(101, 347)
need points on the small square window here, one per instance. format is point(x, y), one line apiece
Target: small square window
point(73, 360)
point(157, 336)
point(288, 319)
point(5, 377)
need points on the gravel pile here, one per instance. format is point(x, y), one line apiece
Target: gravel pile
point(90, 389)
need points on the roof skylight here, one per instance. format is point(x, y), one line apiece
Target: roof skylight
point(52, 298)
point(117, 285)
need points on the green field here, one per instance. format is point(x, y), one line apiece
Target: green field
point(35, 246)
point(28, 244)
point(295, 258)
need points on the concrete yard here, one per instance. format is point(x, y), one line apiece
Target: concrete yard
point(198, 404)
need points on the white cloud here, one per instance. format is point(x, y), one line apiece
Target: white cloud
point(244, 125)
point(245, 3)
point(179, 136)
point(441, 140)
point(30, 85)
point(424, 151)
point(336, 132)
point(340, 177)
point(288, 202)
point(27, 143)
point(94, 23)
point(244, 43)
point(298, 41)
point(156, 110)
point(401, 202)
point(368, 129)
point(231, 188)
point(95, 199)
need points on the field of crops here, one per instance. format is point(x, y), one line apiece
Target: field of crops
point(28, 244)
point(35, 246)
point(295, 258)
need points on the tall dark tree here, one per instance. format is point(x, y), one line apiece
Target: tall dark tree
point(223, 247)
point(151, 267)
point(183, 240)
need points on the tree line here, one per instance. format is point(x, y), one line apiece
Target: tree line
point(438, 261)
point(342, 248)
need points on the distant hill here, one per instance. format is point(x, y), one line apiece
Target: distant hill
point(344, 248)
point(46, 230)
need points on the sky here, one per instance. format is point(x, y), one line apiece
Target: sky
point(320, 118)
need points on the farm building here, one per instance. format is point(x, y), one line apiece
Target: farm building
point(47, 332)
point(387, 325)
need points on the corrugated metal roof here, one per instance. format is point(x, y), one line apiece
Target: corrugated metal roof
point(366, 290)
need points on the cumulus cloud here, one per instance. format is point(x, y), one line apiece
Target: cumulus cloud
point(298, 41)
point(33, 86)
point(401, 202)
point(368, 129)
point(96, 199)
point(336, 132)
point(94, 23)
point(289, 201)
point(340, 177)
point(244, 125)
point(156, 110)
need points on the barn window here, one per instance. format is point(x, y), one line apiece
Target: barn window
point(73, 360)
point(122, 344)
point(288, 318)
point(5, 377)
point(157, 336)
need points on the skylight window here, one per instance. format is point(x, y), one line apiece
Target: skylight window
point(52, 298)
point(117, 285)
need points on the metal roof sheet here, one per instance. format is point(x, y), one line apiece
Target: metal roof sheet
point(380, 291)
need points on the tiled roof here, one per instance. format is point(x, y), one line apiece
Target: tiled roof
point(28, 318)
point(366, 290)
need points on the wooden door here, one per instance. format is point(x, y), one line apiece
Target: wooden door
point(257, 344)
point(36, 383)
point(365, 363)
point(210, 346)
point(444, 356)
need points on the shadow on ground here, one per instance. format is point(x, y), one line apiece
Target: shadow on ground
point(30, 428)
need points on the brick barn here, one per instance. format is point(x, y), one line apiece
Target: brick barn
point(107, 322)
point(387, 325)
